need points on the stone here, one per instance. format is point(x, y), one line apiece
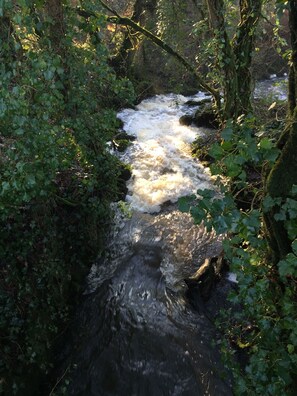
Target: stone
point(186, 120)
point(205, 117)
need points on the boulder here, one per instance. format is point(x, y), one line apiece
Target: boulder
point(206, 117)
point(192, 103)
point(186, 120)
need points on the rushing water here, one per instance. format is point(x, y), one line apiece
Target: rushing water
point(275, 88)
point(163, 168)
point(136, 333)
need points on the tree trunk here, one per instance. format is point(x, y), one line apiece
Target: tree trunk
point(292, 94)
point(283, 175)
point(236, 54)
point(243, 44)
point(8, 51)
point(54, 10)
point(124, 59)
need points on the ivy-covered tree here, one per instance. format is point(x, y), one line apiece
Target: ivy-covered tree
point(234, 53)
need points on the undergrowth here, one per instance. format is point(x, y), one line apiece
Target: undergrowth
point(57, 111)
point(266, 326)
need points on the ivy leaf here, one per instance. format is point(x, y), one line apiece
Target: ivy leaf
point(198, 214)
point(288, 266)
point(292, 208)
point(266, 144)
point(227, 134)
point(227, 145)
point(272, 154)
point(268, 203)
point(280, 216)
point(292, 229)
point(185, 203)
point(216, 151)
point(206, 193)
point(31, 180)
point(290, 348)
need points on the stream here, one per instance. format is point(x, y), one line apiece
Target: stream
point(136, 332)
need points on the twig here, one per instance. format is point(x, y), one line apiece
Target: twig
point(58, 381)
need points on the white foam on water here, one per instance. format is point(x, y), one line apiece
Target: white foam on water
point(162, 166)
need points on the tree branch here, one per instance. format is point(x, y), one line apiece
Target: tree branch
point(119, 20)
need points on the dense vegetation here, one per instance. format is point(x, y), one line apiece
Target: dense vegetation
point(57, 112)
point(58, 100)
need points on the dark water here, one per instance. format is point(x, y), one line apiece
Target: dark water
point(137, 334)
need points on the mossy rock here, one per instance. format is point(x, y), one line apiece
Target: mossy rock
point(124, 176)
point(186, 120)
point(122, 135)
point(122, 144)
point(206, 117)
point(122, 140)
point(192, 103)
point(200, 148)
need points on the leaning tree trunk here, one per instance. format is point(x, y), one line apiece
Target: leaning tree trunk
point(284, 173)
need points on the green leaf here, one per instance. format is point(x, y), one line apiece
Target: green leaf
point(216, 151)
point(49, 74)
point(31, 180)
point(184, 203)
point(197, 214)
point(206, 193)
point(288, 266)
point(266, 144)
point(227, 134)
point(280, 216)
point(269, 202)
point(290, 348)
point(292, 229)
point(227, 145)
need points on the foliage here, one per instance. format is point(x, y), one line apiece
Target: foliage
point(265, 325)
point(57, 111)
